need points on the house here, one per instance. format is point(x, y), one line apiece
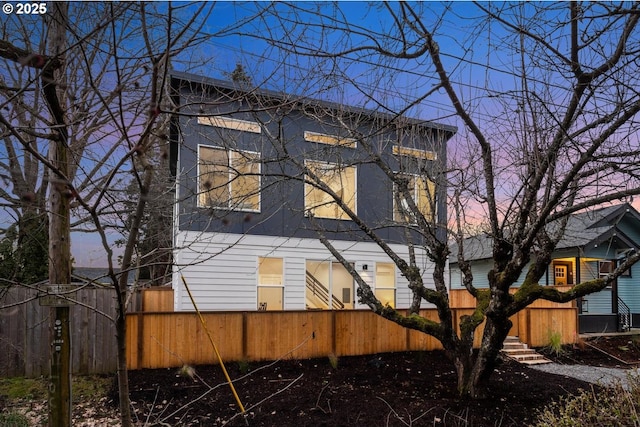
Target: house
point(247, 212)
point(594, 242)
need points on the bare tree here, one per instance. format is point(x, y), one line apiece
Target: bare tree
point(91, 80)
point(555, 134)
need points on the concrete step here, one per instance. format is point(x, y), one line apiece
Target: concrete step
point(520, 352)
point(513, 346)
point(516, 351)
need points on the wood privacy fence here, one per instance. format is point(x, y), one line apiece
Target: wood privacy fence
point(158, 337)
point(171, 339)
point(25, 329)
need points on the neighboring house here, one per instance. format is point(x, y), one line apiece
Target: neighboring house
point(594, 243)
point(245, 236)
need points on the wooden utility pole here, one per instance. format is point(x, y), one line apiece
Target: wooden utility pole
point(60, 195)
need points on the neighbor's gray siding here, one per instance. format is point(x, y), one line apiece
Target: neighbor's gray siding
point(480, 270)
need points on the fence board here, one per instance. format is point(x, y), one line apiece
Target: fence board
point(363, 332)
point(291, 334)
point(544, 321)
point(157, 299)
point(25, 333)
point(422, 342)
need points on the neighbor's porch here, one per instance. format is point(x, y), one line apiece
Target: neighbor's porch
point(605, 311)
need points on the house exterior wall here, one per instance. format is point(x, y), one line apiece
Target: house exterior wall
point(480, 270)
point(221, 270)
point(282, 211)
point(218, 251)
point(629, 286)
point(629, 289)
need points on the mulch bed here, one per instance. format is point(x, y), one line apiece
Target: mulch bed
point(395, 389)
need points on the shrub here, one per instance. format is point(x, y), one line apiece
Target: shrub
point(333, 361)
point(615, 406)
point(555, 343)
point(187, 371)
point(244, 366)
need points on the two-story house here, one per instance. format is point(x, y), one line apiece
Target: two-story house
point(259, 174)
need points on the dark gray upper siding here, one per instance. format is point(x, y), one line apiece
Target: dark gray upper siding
point(282, 201)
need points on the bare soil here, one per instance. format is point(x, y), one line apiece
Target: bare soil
point(399, 389)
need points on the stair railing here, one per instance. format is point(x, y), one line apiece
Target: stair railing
point(624, 316)
point(319, 290)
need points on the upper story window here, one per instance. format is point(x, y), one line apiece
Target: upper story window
point(416, 153)
point(340, 179)
point(422, 190)
point(324, 138)
point(230, 123)
point(228, 179)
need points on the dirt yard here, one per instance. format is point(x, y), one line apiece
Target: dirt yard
point(403, 389)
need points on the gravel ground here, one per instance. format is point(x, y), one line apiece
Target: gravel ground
point(593, 374)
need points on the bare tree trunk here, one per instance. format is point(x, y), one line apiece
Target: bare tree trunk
point(59, 233)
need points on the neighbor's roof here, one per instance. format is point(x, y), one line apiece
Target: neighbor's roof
point(583, 229)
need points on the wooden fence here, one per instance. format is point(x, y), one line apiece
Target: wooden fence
point(159, 337)
point(166, 339)
point(25, 329)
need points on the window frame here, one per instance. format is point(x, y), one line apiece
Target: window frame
point(231, 177)
point(416, 153)
point(327, 139)
point(267, 285)
point(386, 288)
point(416, 199)
point(308, 188)
point(230, 123)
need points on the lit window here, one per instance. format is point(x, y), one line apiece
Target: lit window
point(341, 180)
point(270, 284)
point(323, 138)
point(230, 123)
point(385, 288)
point(422, 190)
point(414, 152)
point(228, 179)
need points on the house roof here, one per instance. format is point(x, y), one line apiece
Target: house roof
point(302, 100)
point(583, 229)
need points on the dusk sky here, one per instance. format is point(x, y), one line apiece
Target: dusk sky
point(476, 51)
point(270, 69)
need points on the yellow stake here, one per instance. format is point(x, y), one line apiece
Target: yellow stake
point(233, 390)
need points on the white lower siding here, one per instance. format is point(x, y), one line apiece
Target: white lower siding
point(221, 270)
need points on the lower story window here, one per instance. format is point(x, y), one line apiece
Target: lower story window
point(329, 286)
point(270, 284)
point(385, 288)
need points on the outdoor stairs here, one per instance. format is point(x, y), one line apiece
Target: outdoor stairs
point(520, 352)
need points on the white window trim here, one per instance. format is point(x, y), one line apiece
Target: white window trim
point(230, 123)
point(229, 206)
point(355, 190)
